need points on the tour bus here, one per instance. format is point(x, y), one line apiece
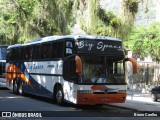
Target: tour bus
point(79, 69)
point(3, 49)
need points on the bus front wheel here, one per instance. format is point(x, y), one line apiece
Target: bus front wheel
point(20, 88)
point(154, 96)
point(59, 96)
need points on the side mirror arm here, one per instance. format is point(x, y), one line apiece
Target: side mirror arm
point(134, 64)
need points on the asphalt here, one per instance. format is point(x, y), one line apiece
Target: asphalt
point(139, 102)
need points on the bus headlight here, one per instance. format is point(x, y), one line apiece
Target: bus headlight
point(122, 91)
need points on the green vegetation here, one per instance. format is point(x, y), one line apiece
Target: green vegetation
point(23, 20)
point(145, 41)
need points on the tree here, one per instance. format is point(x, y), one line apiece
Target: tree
point(145, 41)
point(22, 20)
point(98, 21)
point(15, 16)
point(53, 16)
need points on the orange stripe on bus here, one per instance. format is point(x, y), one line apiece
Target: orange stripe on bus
point(14, 72)
point(99, 87)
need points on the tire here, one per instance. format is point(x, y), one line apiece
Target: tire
point(154, 96)
point(20, 88)
point(59, 96)
point(15, 87)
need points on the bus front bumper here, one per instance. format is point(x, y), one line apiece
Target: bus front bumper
point(91, 99)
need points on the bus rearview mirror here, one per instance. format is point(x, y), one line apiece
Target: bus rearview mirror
point(134, 64)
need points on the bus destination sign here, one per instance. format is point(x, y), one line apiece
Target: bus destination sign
point(100, 46)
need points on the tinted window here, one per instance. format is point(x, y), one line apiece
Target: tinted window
point(46, 51)
point(8, 55)
point(17, 54)
point(21, 53)
point(57, 49)
point(28, 53)
point(38, 52)
point(34, 52)
point(13, 54)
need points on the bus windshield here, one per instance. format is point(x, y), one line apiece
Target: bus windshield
point(102, 70)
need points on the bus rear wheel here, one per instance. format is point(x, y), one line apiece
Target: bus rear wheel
point(59, 96)
point(15, 87)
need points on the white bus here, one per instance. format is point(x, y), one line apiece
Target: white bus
point(77, 69)
point(3, 49)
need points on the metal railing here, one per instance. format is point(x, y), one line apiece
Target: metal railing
point(148, 75)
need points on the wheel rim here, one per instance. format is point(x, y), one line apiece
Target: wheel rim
point(153, 96)
point(59, 96)
point(15, 87)
point(20, 88)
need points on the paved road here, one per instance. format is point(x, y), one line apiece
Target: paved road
point(140, 102)
point(25, 104)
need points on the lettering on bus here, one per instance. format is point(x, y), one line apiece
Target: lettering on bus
point(82, 44)
point(98, 45)
point(50, 66)
point(102, 46)
point(34, 67)
point(38, 66)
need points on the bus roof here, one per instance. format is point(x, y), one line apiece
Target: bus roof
point(3, 45)
point(56, 37)
point(95, 37)
point(39, 40)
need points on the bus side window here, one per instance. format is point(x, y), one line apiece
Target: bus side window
point(13, 55)
point(38, 52)
point(46, 51)
point(8, 55)
point(54, 50)
point(34, 52)
point(18, 52)
point(57, 49)
point(21, 53)
point(30, 53)
point(27, 53)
